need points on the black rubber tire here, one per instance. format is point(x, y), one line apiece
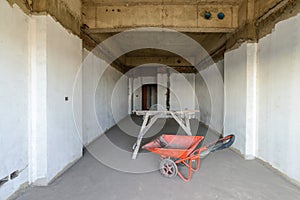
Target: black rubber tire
point(168, 168)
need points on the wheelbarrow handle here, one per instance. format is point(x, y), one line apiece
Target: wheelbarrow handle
point(220, 144)
point(223, 143)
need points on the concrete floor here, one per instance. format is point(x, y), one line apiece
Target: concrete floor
point(223, 175)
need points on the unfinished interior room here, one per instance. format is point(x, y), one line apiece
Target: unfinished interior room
point(149, 99)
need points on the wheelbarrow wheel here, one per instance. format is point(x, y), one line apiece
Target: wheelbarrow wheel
point(168, 168)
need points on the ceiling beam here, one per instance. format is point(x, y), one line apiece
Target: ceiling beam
point(179, 29)
point(185, 18)
point(280, 11)
point(132, 71)
point(158, 2)
point(174, 61)
point(102, 52)
point(260, 19)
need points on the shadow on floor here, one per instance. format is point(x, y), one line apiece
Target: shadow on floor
point(122, 135)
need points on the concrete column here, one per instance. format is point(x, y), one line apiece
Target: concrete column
point(54, 138)
point(240, 97)
point(251, 130)
point(130, 95)
point(162, 91)
point(38, 90)
point(137, 91)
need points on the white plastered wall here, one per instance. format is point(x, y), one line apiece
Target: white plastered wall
point(262, 98)
point(105, 99)
point(235, 87)
point(182, 90)
point(211, 109)
point(136, 90)
point(162, 79)
point(240, 97)
point(14, 95)
point(64, 56)
point(279, 97)
point(39, 62)
point(55, 60)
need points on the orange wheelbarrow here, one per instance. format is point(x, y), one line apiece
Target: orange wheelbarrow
point(177, 149)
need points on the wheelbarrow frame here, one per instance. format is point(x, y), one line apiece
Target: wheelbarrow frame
point(193, 156)
point(188, 162)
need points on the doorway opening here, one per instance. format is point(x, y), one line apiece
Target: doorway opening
point(149, 97)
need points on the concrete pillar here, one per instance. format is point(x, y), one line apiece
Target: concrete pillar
point(38, 137)
point(162, 90)
point(240, 97)
point(251, 129)
point(54, 138)
point(130, 95)
point(137, 91)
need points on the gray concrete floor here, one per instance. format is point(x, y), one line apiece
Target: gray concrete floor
point(223, 175)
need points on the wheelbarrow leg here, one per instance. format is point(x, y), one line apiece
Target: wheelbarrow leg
point(190, 169)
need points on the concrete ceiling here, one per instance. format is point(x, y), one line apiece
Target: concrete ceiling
point(105, 18)
point(119, 2)
point(96, 21)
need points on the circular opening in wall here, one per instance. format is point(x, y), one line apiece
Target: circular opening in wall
point(207, 15)
point(119, 10)
point(178, 61)
point(113, 10)
point(221, 15)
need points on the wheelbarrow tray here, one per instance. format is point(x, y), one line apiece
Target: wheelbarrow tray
point(177, 149)
point(174, 146)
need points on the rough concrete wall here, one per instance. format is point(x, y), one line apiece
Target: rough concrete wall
point(105, 100)
point(64, 56)
point(14, 77)
point(67, 12)
point(186, 17)
point(279, 97)
point(235, 87)
point(74, 6)
point(211, 109)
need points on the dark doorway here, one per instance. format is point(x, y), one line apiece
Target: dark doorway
point(149, 97)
